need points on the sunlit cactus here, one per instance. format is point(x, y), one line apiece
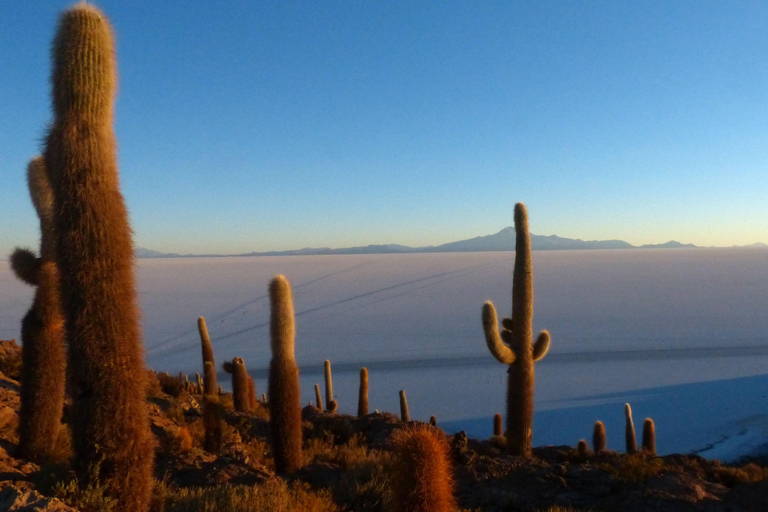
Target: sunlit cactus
point(207, 349)
point(422, 479)
point(94, 253)
point(362, 400)
point(42, 331)
point(514, 346)
point(629, 433)
point(284, 391)
point(318, 398)
point(405, 415)
point(328, 381)
point(240, 386)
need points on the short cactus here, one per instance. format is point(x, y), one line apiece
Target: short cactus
point(318, 398)
point(284, 390)
point(514, 345)
point(422, 478)
point(328, 382)
point(497, 425)
point(405, 415)
point(362, 400)
point(240, 387)
point(599, 441)
point(582, 449)
point(649, 436)
point(629, 433)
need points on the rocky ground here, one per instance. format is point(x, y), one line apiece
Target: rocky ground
point(347, 464)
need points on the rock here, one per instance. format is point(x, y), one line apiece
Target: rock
point(14, 499)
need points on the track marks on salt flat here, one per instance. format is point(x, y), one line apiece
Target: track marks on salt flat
point(167, 344)
point(429, 281)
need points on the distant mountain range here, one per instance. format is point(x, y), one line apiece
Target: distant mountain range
point(504, 240)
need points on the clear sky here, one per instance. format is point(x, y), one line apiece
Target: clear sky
point(250, 126)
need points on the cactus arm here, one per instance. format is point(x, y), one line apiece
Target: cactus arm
point(541, 347)
point(25, 265)
point(507, 323)
point(500, 351)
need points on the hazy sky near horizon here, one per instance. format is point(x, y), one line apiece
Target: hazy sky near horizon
point(251, 126)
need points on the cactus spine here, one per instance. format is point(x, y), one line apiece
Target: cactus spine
point(599, 442)
point(94, 253)
point(517, 349)
point(649, 436)
point(629, 432)
point(405, 416)
point(284, 391)
point(422, 476)
point(42, 332)
point(362, 400)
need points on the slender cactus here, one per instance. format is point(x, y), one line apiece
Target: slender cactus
point(318, 398)
point(284, 391)
point(649, 436)
point(405, 416)
point(514, 345)
point(362, 400)
point(328, 382)
point(599, 442)
point(422, 479)
point(240, 386)
point(42, 331)
point(94, 253)
point(629, 432)
point(207, 349)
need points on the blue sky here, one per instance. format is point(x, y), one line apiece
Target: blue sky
point(276, 125)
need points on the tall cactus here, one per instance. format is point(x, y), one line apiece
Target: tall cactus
point(629, 430)
point(94, 253)
point(42, 331)
point(284, 391)
point(517, 349)
point(207, 350)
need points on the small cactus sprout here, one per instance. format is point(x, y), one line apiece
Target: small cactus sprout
point(649, 436)
point(211, 411)
point(239, 384)
point(582, 449)
point(405, 416)
point(599, 442)
point(362, 401)
point(629, 433)
point(200, 385)
point(333, 405)
point(318, 398)
point(284, 390)
point(514, 346)
point(497, 425)
point(328, 382)
point(422, 475)
point(207, 348)
point(433, 421)
point(263, 398)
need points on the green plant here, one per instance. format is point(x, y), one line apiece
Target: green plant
point(629, 432)
point(514, 345)
point(422, 479)
point(94, 253)
point(42, 331)
point(284, 391)
point(362, 401)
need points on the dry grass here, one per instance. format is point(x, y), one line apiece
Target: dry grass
point(637, 467)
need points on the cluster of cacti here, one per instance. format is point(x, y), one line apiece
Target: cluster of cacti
point(284, 392)
point(599, 442)
point(422, 479)
point(42, 331)
point(514, 346)
point(94, 255)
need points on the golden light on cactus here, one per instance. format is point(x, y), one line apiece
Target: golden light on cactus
point(240, 385)
point(318, 398)
point(422, 479)
point(94, 253)
point(405, 415)
point(284, 391)
point(514, 345)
